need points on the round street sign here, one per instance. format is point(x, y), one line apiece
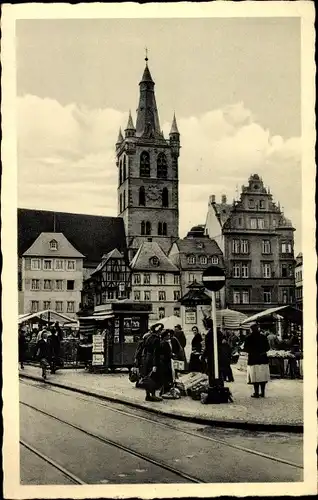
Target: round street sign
point(213, 278)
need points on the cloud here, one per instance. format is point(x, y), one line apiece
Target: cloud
point(66, 159)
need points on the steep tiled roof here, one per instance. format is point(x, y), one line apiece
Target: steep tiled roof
point(223, 211)
point(114, 254)
point(92, 235)
point(195, 246)
point(142, 259)
point(41, 247)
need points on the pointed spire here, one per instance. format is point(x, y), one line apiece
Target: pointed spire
point(120, 137)
point(130, 124)
point(174, 127)
point(147, 123)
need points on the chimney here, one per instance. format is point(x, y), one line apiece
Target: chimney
point(212, 199)
point(223, 199)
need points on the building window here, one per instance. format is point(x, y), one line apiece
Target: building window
point(267, 273)
point(176, 311)
point(162, 295)
point(124, 168)
point(161, 312)
point(245, 271)
point(59, 265)
point(154, 261)
point(176, 279)
point(136, 295)
point(240, 221)
point(165, 197)
point(285, 296)
point(266, 246)
point(137, 279)
point(59, 284)
point(110, 294)
point(286, 247)
point(142, 196)
point(176, 295)
point(164, 229)
point(144, 170)
point(236, 246)
point(120, 173)
point(71, 307)
point(142, 228)
point(244, 246)
point(120, 203)
point(236, 270)
point(47, 285)
point(203, 259)
point(35, 284)
point(215, 260)
point(70, 285)
point(274, 222)
point(35, 264)
point(236, 297)
point(34, 306)
point(70, 265)
point(148, 228)
point(59, 306)
point(47, 265)
point(162, 168)
point(146, 279)
point(253, 223)
point(147, 295)
point(260, 223)
point(160, 228)
point(267, 296)
point(286, 270)
point(261, 204)
point(191, 259)
point(191, 277)
point(47, 304)
point(161, 279)
point(53, 245)
point(251, 204)
point(245, 297)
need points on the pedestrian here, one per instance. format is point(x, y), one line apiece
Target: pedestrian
point(195, 363)
point(208, 353)
point(43, 353)
point(165, 371)
point(256, 345)
point(58, 330)
point(54, 346)
point(151, 360)
point(180, 336)
point(272, 340)
point(225, 360)
point(22, 347)
point(140, 358)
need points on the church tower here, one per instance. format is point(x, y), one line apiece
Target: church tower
point(148, 174)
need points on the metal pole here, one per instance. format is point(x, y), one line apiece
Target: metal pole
point(215, 340)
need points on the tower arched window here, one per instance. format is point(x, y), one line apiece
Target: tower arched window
point(142, 228)
point(142, 196)
point(120, 203)
point(120, 172)
point(124, 168)
point(148, 228)
point(124, 200)
point(162, 168)
point(144, 170)
point(159, 228)
point(165, 197)
point(164, 229)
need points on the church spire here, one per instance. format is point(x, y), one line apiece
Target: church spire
point(130, 129)
point(174, 127)
point(120, 137)
point(147, 123)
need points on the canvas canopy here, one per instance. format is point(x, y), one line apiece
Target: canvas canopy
point(47, 315)
point(229, 319)
point(287, 312)
point(168, 322)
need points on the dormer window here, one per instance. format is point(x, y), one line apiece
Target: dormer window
point(191, 259)
point(53, 245)
point(154, 261)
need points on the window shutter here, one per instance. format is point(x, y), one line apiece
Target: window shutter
point(27, 284)
point(27, 263)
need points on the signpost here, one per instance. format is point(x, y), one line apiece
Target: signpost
point(213, 279)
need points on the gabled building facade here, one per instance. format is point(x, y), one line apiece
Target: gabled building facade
point(147, 164)
point(156, 279)
point(258, 252)
point(192, 255)
point(51, 276)
point(299, 281)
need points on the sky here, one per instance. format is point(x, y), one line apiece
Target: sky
point(234, 84)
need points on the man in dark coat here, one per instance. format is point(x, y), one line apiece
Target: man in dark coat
point(256, 345)
point(44, 353)
point(180, 336)
point(208, 353)
point(151, 360)
point(54, 349)
point(22, 348)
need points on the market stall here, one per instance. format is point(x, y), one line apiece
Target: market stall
point(285, 323)
point(118, 327)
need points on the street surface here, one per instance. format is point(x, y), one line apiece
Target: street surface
point(68, 438)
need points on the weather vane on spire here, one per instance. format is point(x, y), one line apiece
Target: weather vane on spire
point(146, 58)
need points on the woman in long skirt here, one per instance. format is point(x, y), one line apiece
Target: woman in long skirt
point(256, 346)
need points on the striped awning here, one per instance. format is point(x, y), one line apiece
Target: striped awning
point(229, 319)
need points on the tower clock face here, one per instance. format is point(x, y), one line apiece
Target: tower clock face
point(153, 193)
